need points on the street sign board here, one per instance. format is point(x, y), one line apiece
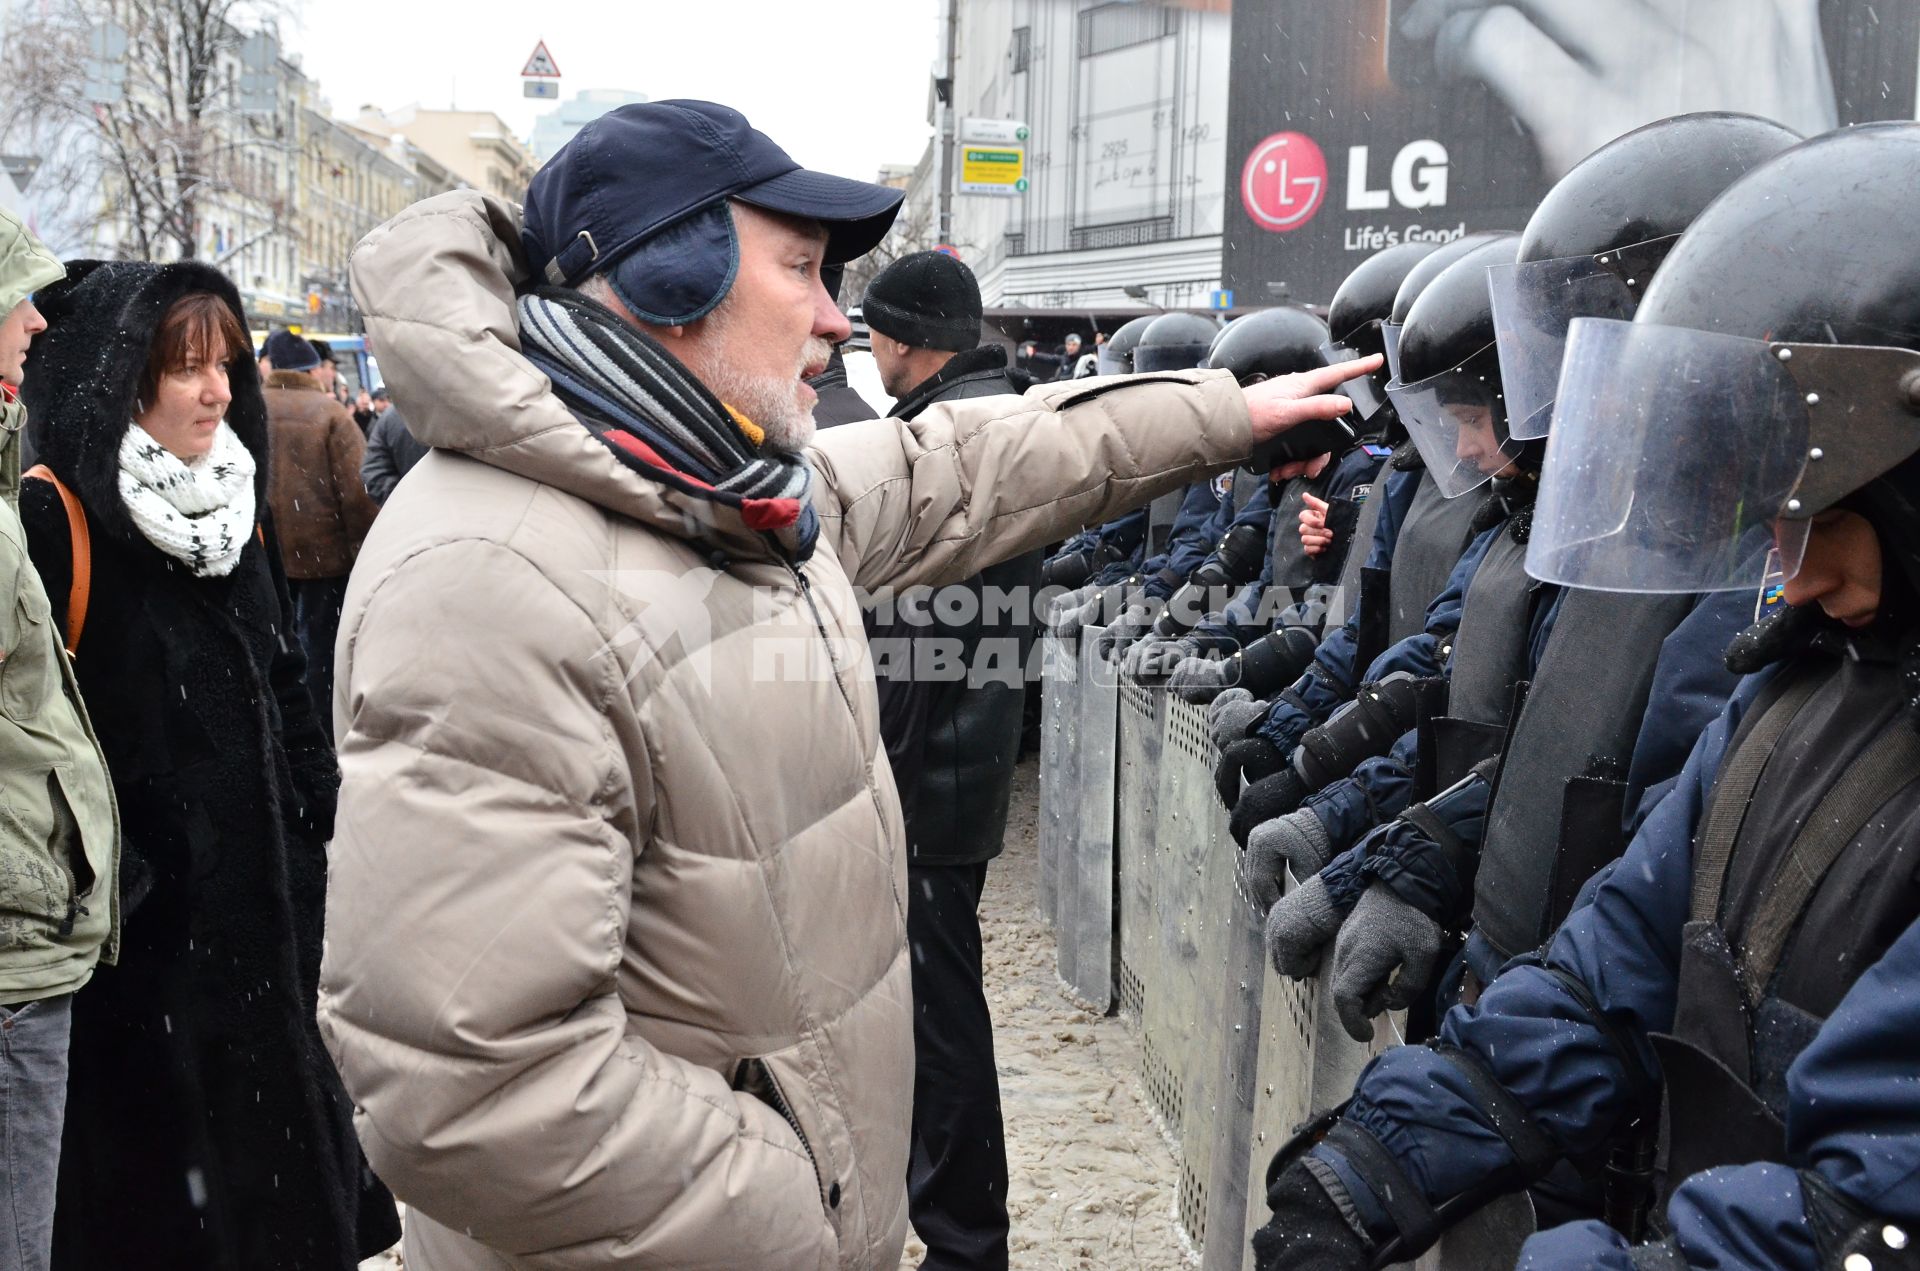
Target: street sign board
point(991, 169)
point(1220, 300)
point(106, 63)
point(546, 89)
point(541, 65)
point(1004, 132)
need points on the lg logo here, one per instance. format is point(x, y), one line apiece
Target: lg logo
point(1284, 182)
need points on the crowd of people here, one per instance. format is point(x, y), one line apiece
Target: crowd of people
point(532, 841)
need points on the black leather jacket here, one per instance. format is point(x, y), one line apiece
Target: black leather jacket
point(953, 742)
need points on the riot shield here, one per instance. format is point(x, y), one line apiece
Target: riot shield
point(1197, 923)
point(1085, 933)
point(1059, 704)
point(1241, 1005)
point(1136, 833)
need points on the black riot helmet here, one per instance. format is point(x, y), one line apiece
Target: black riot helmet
point(1174, 342)
point(1771, 372)
point(1591, 249)
point(1356, 319)
point(1451, 400)
point(1424, 271)
point(1270, 343)
point(1116, 355)
point(1260, 346)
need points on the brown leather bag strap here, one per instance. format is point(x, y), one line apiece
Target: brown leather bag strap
point(82, 543)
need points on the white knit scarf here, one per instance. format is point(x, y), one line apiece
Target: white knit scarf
point(200, 512)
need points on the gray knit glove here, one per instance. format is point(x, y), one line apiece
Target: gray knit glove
point(1296, 840)
point(1154, 658)
point(1135, 621)
point(1299, 928)
point(1067, 602)
point(1232, 714)
point(1085, 612)
point(1199, 679)
point(1384, 935)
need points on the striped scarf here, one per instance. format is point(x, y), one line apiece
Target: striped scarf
point(662, 422)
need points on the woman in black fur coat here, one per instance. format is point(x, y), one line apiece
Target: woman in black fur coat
point(205, 1126)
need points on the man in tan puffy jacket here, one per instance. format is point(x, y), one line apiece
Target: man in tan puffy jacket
point(616, 968)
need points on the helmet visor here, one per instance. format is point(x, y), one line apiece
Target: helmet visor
point(1112, 363)
point(1459, 422)
point(1390, 340)
point(1673, 451)
point(1533, 305)
point(1368, 393)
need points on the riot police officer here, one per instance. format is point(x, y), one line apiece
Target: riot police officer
point(1268, 557)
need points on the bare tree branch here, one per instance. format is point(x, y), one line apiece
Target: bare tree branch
point(150, 169)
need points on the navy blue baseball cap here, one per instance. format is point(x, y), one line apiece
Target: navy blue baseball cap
point(641, 195)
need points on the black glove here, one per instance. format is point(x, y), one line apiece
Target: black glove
point(1251, 757)
point(1307, 1231)
point(1266, 799)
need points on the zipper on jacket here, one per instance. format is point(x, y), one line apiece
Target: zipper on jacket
point(820, 625)
point(767, 1089)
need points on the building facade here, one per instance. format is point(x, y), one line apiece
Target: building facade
point(475, 145)
point(1126, 104)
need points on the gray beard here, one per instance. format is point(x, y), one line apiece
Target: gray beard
point(770, 402)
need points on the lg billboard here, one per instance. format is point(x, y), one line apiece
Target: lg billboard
point(1357, 124)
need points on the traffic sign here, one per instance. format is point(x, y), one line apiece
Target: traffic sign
point(947, 249)
point(546, 89)
point(541, 65)
point(993, 170)
point(1220, 300)
point(106, 64)
point(1004, 132)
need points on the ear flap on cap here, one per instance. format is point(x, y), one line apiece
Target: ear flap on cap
point(683, 272)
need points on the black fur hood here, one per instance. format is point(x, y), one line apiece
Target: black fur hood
point(84, 371)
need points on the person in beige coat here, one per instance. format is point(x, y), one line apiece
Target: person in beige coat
point(616, 962)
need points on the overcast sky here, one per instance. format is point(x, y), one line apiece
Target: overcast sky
point(841, 84)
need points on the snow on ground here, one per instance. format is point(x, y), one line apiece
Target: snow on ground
point(1091, 1180)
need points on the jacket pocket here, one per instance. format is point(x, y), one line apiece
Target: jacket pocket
point(28, 673)
point(756, 1076)
point(38, 900)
